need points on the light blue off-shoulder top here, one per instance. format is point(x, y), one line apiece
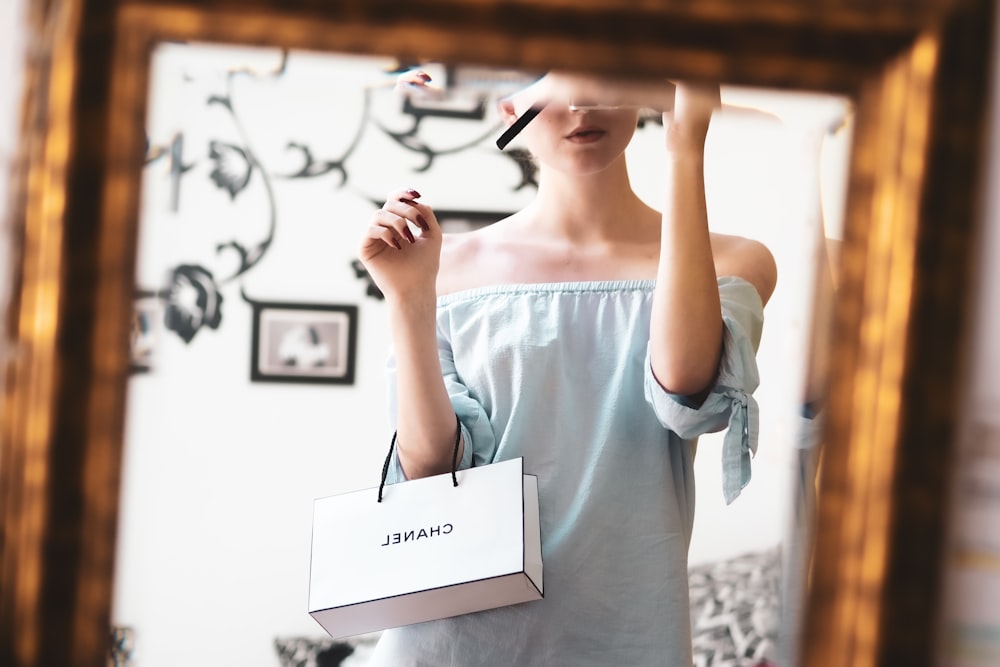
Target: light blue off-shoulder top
point(559, 373)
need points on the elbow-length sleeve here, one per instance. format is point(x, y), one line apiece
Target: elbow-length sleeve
point(477, 432)
point(730, 403)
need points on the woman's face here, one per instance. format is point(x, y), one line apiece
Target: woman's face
point(573, 133)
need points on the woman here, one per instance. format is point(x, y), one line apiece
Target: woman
point(596, 337)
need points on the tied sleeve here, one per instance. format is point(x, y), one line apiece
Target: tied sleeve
point(730, 403)
point(477, 432)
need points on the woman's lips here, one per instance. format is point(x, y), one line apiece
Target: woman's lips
point(585, 135)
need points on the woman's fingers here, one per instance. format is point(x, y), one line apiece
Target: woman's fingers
point(417, 82)
point(381, 234)
point(404, 204)
point(409, 212)
point(401, 247)
point(397, 224)
point(391, 223)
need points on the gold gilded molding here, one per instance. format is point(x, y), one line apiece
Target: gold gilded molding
point(888, 172)
point(27, 435)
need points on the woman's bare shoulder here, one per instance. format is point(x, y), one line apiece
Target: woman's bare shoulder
point(468, 260)
point(748, 259)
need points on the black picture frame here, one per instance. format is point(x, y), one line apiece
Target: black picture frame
point(303, 343)
point(144, 334)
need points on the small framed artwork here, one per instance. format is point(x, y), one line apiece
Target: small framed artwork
point(147, 316)
point(303, 343)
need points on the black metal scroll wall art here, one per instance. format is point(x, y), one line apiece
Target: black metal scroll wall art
point(195, 293)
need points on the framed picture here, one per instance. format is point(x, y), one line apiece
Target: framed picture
point(144, 334)
point(303, 343)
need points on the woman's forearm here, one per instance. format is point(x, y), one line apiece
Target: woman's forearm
point(426, 426)
point(686, 324)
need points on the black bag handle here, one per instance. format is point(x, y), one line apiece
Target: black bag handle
point(454, 457)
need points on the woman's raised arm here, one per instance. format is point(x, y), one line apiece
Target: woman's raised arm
point(404, 265)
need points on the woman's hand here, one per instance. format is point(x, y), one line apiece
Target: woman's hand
point(417, 83)
point(401, 248)
point(687, 124)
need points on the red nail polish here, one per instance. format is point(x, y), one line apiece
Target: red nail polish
point(409, 235)
point(413, 193)
point(423, 223)
point(396, 243)
point(407, 201)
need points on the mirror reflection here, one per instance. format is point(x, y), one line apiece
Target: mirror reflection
point(261, 339)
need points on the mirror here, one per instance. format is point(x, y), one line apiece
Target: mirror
point(259, 344)
point(897, 326)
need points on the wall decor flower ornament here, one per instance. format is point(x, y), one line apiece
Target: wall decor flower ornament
point(314, 168)
point(217, 113)
point(233, 167)
point(193, 301)
point(411, 140)
point(193, 295)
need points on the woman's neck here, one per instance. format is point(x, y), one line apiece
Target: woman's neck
point(591, 208)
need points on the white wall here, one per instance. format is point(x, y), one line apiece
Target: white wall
point(220, 472)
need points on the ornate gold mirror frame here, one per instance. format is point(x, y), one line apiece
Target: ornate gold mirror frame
point(917, 70)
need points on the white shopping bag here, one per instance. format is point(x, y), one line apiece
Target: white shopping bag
point(428, 550)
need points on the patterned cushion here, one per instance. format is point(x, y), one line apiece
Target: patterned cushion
point(323, 651)
point(735, 610)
